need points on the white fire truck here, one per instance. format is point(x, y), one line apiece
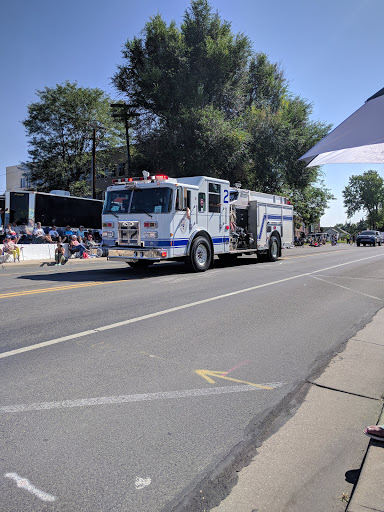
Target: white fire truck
point(192, 219)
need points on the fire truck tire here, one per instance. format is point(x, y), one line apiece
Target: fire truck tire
point(139, 265)
point(274, 249)
point(200, 256)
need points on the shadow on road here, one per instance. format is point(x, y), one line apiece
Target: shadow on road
point(127, 273)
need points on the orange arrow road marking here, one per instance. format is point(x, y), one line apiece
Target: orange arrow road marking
point(221, 375)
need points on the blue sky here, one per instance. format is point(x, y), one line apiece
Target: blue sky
point(330, 50)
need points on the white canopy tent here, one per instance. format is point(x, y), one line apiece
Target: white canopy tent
point(358, 139)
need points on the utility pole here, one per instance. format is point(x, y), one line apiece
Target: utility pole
point(94, 163)
point(124, 112)
point(94, 126)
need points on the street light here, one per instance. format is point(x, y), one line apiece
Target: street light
point(125, 114)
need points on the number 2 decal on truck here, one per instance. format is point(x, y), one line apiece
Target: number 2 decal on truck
point(225, 200)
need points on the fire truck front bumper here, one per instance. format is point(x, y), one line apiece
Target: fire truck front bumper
point(135, 254)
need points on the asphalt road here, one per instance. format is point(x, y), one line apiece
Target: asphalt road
point(105, 404)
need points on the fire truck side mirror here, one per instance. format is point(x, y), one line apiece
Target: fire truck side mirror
point(179, 199)
point(182, 198)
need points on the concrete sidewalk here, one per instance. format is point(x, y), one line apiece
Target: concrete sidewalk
point(320, 460)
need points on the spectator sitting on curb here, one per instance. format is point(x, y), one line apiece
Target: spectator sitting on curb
point(11, 232)
point(54, 234)
point(59, 254)
point(68, 233)
point(75, 246)
point(6, 245)
point(95, 235)
point(89, 242)
point(19, 230)
point(80, 232)
point(375, 432)
point(39, 235)
point(9, 247)
point(16, 249)
point(82, 244)
point(28, 228)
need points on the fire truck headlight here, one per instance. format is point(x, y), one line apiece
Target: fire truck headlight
point(107, 234)
point(150, 234)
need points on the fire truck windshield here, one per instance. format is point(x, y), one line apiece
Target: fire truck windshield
point(139, 200)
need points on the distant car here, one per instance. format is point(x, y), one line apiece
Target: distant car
point(368, 238)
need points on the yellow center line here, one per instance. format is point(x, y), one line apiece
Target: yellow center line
point(58, 288)
point(98, 283)
point(64, 270)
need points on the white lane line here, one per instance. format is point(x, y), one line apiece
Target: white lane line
point(23, 483)
point(177, 308)
point(346, 288)
point(358, 278)
point(143, 397)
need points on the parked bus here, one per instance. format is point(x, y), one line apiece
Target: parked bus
point(2, 208)
point(52, 209)
point(2, 215)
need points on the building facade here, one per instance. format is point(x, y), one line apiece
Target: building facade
point(14, 179)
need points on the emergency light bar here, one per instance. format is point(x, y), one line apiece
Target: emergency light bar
point(157, 177)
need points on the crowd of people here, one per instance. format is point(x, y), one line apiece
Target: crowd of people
point(80, 241)
point(322, 239)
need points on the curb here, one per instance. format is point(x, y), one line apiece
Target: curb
point(369, 490)
point(49, 263)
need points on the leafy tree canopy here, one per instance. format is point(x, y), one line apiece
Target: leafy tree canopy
point(59, 129)
point(365, 192)
point(170, 70)
point(311, 202)
point(210, 105)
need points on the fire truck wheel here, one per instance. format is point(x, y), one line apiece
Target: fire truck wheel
point(200, 256)
point(139, 265)
point(273, 251)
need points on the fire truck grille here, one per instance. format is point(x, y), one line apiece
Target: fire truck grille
point(129, 232)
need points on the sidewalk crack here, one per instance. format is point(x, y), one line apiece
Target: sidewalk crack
point(342, 391)
point(369, 342)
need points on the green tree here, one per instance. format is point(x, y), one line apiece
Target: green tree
point(266, 83)
point(311, 202)
point(210, 105)
point(59, 129)
point(188, 85)
point(277, 139)
point(365, 192)
point(169, 70)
